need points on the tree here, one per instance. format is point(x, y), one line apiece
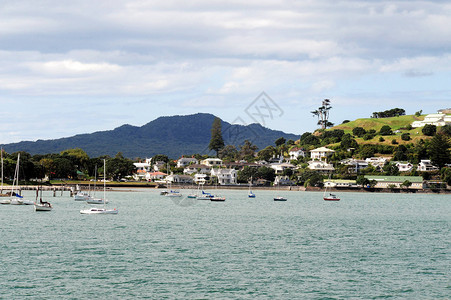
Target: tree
point(362, 181)
point(119, 167)
point(406, 184)
point(429, 130)
point(229, 152)
point(385, 130)
point(216, 142)
point(267, 153)
point(348, 142)
point(323, 114)
point(405, 136)
point(446, 130)
point(280, 141)
point(358, 131)
point(160, 157)
point(439, 151)
point(247, 150)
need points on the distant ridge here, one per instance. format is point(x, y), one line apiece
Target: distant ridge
point(173, 136)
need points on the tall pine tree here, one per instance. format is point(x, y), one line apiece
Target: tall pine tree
point(216, 142)
point(439, 150)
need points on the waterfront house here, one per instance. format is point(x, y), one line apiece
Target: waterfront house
point(197, 168)
point(142, 168)
point(339, 183)
point(404, 166)
point(201, 178)
point(280, 167)
point(225, 176)
point(297, 152)
point(396, 181)
point(321, 152)
point(425, 165)
point(321, 166)
point(377, 162)
point(154, 176)
point(176, 178)
point(159, 165)
point(185, 161)
point(356, 165)
point(282, 180)
point(212, 162)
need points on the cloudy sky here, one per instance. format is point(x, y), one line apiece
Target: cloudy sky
point(70, 67)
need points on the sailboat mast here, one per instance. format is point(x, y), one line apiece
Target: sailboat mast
point(2, 170)
point(104, 183)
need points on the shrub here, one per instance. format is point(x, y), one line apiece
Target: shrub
point(394, 141)
point(405, 136)
point(358, 131)
point(385, 130)
point(368, 136)
point(381, 139)
point(429, 130)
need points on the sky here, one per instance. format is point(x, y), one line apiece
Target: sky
point(72, 67)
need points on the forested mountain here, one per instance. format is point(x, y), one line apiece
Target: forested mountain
point(173, 136)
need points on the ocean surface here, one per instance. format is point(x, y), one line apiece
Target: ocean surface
point(366, 246)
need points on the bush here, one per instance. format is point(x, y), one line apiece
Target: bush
point(386, 130)
point(381, 139)
point(358, 131)
point(394, 142)
point(368, 136)
point(429, 130)
point(405, 136)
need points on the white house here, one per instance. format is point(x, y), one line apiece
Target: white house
point(176, 178)
point(200, 178)
point(155, 175)
point(212, 162)
point(319, 165)
point(404, 166)
point(297, 152)
point(439, 119)
point(356, 165)
point(321, 152)
point(225, 176)
point(185, 161)
point(377, 162)
point(280, 167)
point(282, 180)
point(425, 165)
point(158, 165)
point(142, 168)
point(197, 168)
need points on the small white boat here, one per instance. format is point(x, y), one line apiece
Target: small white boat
point(92, 200)
point(173, 194)
point(99, 211)
point(81, 196)
point(331, 197)
point(250, 193)
point(43, 206)
point(5, 201)
point(16, 200)
point(217, 199)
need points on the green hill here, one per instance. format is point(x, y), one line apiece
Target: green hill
point(371, 123)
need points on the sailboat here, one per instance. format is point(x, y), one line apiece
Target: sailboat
point(42, 205)
point(204, 195)
point(3, 201)
point(92, 199)
point(104, 210)
point(330, 197)
point(16, 199)
point(279, 198)
point(250, 193)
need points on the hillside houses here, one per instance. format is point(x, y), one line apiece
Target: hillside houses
point(439, 119)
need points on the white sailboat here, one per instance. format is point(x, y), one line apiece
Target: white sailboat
point(104, 210)
point(204, 195)
point(92, 199)
point(250, 194)
point(42, 205)
point(279, 198)
point(16, 199)
point(3, 200)
point(330, 196)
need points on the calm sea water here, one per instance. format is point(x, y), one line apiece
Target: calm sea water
point(367, 246)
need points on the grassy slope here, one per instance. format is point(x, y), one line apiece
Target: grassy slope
point(396, 123)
